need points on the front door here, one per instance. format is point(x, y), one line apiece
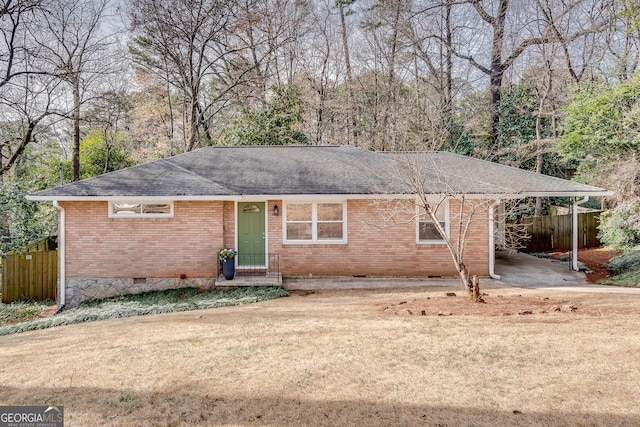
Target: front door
point(251, 234)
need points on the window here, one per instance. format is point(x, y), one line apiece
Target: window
point(137, 210)
point(251, 209)
point(427, 230)
point(315, 222)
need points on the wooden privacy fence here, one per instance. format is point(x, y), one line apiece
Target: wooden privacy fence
point(553, 233)
point(31, 275)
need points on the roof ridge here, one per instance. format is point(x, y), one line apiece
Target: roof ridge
point(190, 172)
point(276, 146)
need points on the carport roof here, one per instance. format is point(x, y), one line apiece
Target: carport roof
point(233, 172)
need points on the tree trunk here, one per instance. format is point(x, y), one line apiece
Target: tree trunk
point(471, 283)
point(389, 128)
point(193, 125)
point(170, 104)
point(539, 156)
point(75, 134)
point(496, 70)
point(540, 147)
point(107, 155)
point(350, 102)
point(448, 89)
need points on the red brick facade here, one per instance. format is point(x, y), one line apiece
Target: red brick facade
point(101, 247)
point(376, 249)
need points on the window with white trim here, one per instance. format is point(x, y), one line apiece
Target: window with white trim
point(315, 222)
point(133, 209)
point(427, 230)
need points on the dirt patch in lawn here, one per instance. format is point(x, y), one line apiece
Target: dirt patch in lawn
point(497, 304)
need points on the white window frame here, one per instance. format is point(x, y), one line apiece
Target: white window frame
point(420, 211)
point(140, 215)
point(314, 222)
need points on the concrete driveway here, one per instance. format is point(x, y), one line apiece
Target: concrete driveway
point(526, 271)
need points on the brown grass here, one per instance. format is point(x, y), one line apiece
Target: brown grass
point(340, 358)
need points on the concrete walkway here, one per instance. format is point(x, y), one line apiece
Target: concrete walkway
point(348, 282)
point(516, 270)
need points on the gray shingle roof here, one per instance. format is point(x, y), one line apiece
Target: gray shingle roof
point(311, 170)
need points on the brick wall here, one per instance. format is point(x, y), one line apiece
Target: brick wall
point(229, 212)
point(379, 248)
point(101, 247)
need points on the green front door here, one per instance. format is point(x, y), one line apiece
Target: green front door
point(251, 234)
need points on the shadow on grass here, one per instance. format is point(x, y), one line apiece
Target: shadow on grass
point(186, 406)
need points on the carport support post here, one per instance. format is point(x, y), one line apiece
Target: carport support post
point(492, 245)
point(574, 233)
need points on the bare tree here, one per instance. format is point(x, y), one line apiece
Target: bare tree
point(317, 68)
point(110, 114)
point(623, 39)
point(75, 49)
point(266, 34)
point(383, 23)
point(28, 91)
point(440, 190)
point(430, 33)
point(27, 106)
point(185, 43)
point(15, 17)
point(352, 111)
point(511, 34)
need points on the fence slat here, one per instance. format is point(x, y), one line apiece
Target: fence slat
point(553, 233)
point(34, 278)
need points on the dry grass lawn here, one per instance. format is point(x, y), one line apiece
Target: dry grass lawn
point(342, 358)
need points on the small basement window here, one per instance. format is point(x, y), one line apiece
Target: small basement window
point(140, 210)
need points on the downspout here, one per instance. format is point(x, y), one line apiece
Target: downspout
point(492, 245)
point(61, 256)
point(574, 233)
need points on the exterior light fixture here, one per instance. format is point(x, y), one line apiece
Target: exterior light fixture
point(275, 210)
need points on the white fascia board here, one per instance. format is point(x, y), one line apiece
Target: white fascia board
point(302, 197)
point(523, 195)
point(237, 198)
point(127, 198)
point(260, 197)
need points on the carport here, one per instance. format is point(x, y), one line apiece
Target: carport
point(496, 229)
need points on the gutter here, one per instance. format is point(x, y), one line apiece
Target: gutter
point(492, 245)
point(301, 196)
point(61, 256)
point(574, 233)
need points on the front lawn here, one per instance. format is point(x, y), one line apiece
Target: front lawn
point(169, 301)
point(359, 357)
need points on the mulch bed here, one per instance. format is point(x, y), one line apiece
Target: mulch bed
point(459, 304)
